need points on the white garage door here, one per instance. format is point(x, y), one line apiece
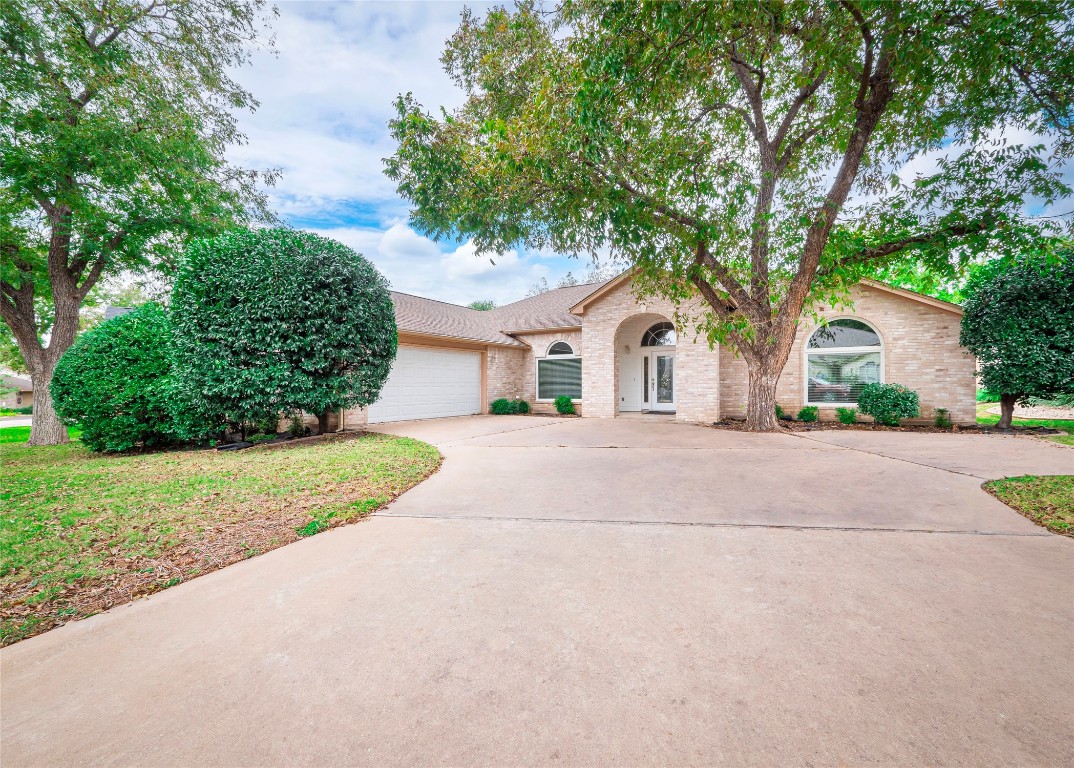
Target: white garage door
point(427, 383)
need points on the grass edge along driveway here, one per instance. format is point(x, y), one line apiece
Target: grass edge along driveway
point(1047, 500)
point(83, 532)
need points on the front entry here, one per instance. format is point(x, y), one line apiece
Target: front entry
point(658, 376)
point(658, 368)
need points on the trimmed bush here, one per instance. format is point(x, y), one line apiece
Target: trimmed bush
point(779, 411)
point(809, 413)
point(942, 418)
point(273, 321)
point(522, 406)
point(847, 415)
point(888, 403)
point(564, 405)
point(115, 383)
point(503, 407)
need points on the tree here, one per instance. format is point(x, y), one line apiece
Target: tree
point(274, 321)
point(1019, 321)
point(114, 122)
point(115, 383)
point(482, 305)
point(744, 156)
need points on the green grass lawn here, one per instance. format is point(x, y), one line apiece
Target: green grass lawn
point(1048, 501)
point(1064, 425)
point(83, 532)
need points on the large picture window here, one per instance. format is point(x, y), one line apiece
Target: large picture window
point(559, 373)
point(841, 358)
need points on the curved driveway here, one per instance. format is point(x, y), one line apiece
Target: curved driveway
point(585, 592)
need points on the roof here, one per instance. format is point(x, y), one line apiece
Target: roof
point(545, 311)
point(23, 383)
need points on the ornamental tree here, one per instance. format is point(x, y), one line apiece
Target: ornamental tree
point(272, 321)
point(115, 382)
point(115, 116)
point(743, 156)
point(1019, 321)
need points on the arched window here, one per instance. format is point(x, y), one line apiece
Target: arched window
point(559, 373)
point(659, 335)
point(842, 356)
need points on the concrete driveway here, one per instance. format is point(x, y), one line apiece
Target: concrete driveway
point(583, 592)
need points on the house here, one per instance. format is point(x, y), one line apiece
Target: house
point(15, 391)
point(613, 355)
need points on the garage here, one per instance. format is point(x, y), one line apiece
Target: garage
point(428, 383)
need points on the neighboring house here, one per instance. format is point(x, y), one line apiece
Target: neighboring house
point(18, 391)
point(612, 355)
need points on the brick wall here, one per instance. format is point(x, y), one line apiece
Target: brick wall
point(920, 349)
point(617, 320)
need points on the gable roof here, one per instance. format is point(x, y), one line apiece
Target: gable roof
point(545, 311)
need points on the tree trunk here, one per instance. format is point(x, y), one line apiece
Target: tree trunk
point(1006, 410)
point(761, 407)
point(46, 429)
point(322, 423)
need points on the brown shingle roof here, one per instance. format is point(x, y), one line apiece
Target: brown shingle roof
point(550, 309)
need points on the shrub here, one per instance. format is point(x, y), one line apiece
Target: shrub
point(273, 321)
point(888, 403)
point(847, 415)
point(115, 382)
point(942, 418)
point(779, 411)
point(522, 406)
point(985, 396)
point(503, 407)
point(1062, 400)
point(809, 413)
point(564, 405)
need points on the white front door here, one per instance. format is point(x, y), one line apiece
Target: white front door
point(658, 373)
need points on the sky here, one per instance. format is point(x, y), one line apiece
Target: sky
point(326, 97)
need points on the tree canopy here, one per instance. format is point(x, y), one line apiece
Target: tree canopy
point(274, 321)
point(115, 118)
point(746, 157)
point(1019, 321)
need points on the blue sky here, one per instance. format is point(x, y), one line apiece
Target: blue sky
point(326, 96)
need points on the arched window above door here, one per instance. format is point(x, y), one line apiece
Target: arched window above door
point(659, 335)
point(842, 356)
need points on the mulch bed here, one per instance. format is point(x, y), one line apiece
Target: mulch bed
point(813, 426)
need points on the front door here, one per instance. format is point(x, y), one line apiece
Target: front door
point(658, 369)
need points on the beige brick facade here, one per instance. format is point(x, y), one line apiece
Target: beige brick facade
point(920, 350)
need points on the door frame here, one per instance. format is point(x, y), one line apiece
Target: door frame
point(649, 364)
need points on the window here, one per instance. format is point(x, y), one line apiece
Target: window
point(841, 358)
point(659, 335)
point(560, 373)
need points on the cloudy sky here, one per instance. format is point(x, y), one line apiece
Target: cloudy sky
point(326, 97)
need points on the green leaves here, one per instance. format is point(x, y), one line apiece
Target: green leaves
point(271, 321)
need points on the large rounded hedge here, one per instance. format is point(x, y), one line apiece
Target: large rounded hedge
point(114, 382)
point(272, 321)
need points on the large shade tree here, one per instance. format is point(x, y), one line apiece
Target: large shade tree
point(114, 120)
point(744, 156)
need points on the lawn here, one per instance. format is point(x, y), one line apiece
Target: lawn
point(83, 532)
point(1064, 425)
point(1047, 501)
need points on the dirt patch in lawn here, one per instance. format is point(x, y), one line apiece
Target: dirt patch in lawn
point(84, 532)
point(1047, 500)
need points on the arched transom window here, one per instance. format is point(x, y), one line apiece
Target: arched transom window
point(559, 373)
point(560, 348)
point(841, 357)
point(659, 335)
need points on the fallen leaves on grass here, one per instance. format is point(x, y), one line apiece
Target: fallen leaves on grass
point(84, 532)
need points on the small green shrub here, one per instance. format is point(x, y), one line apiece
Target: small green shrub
point(22, 410)
point(521, 406)
point(564, 405)
point(943, 418)
point(847, 415)
point(809, 413)
point(503, 407)
point(888, 403)
point(296, 428)
point(779, 411)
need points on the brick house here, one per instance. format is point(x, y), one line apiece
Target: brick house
point(613, 355)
